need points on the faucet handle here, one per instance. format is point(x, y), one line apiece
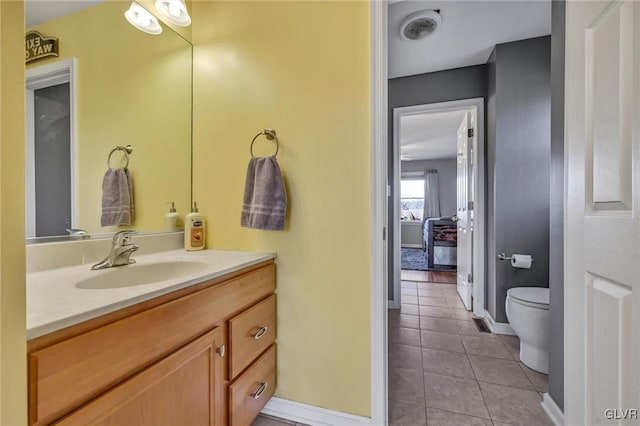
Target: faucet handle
point(122, 237)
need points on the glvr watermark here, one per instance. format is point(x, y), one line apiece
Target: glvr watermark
point(621, 413)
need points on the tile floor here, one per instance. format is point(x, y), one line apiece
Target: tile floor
point(264, 420)
point(443, 371)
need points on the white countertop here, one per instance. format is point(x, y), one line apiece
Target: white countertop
point(55, 302)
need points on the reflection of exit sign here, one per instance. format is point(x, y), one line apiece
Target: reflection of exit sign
point(38, 46)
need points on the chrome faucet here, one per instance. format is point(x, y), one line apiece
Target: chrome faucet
point(121, 250)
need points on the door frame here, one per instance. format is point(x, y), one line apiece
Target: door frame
point(48, 75)
point(476, 105)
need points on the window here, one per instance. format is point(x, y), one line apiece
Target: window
point(411, 199)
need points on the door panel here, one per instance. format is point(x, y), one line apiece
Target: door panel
point(602, 251)
point(464, 220)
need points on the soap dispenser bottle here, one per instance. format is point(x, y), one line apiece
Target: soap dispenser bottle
point(194, 230)
point(171, 218)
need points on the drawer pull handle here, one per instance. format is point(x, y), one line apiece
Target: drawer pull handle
point(261, 332)
point(258, 393)
point(221, 350)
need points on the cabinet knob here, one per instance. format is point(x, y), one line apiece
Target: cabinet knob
point(261, 332)
point(258, 393)
point(221, 350)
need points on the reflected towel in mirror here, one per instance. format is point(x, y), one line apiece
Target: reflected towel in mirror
point(265, 199)
point(117, 198)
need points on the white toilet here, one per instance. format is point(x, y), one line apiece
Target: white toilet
point(528, 313)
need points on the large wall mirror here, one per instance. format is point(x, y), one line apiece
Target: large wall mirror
point(112, 85)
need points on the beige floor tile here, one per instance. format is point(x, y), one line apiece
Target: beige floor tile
point(446, 418)
point(454, 394)
point(423, 292)
point(408, 284)
point(447, 363)
point(406, 414)
point(500, 424)
point(263, 420)
point(409, 309)
point(404, 336)
point(397, 319)
point(405, 356)
point(455, 303)
point(492, 348)
point(461, 314)
point(408, 291)
point(499, 371)
point(433, 301)
point(518, 407)
point(435, 311)
point(410, 300)
point(429, 286)
point(442, 341)
point(406, 385)
point(513, 345)
point(442, 325)
point(469, 328)
point(540, 381)
point(450, 292)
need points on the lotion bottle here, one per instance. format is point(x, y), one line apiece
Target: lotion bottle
point(171, 218)
point(194, 230)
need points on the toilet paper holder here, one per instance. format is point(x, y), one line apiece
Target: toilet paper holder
point(503, 256)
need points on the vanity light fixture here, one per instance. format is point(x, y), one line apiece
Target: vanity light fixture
point(142, 19)
point(174, 11)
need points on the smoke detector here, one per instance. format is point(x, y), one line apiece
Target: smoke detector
point(420, 24)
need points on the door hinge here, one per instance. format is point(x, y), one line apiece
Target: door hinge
point(470, 205)
point(470, 132)
point(470, 278)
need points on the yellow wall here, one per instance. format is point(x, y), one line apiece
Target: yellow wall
point(13, 370)
point(301, 68)
point(133, 88)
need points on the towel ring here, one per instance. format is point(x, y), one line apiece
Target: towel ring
point(128, 149)
point(270, 134)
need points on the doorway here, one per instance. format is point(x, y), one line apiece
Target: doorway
point(439, 147)
point(51, 169)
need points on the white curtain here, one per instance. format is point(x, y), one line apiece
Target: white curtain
point(431, 194)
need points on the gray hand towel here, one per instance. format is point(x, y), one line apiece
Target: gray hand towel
point(265, 200)
point(117, 198)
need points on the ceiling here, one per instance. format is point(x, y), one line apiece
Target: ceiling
point(429, 136)
point(467, 35)
point(39, 11)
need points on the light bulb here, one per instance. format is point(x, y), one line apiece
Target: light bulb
point(174, 9)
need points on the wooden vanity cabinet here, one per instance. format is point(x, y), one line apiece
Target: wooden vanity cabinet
point(204, 355)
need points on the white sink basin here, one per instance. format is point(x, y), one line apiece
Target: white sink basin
point(136, 275)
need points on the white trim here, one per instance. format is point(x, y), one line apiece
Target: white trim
point(498, 327)
point(477, 106)
point(51, 74)
point(310, 414)
point(553, 411)
point(379, 201)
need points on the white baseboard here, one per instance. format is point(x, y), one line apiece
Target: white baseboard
point(412, 246)
point(310, 414)
point(553, 411)
point(391, 304)
point(498, 327)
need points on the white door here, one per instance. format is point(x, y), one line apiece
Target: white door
point(602, 222)
point(464, 256)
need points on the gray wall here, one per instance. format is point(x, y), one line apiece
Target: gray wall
point(441, 86)
point(556, 271)
point(518, 165)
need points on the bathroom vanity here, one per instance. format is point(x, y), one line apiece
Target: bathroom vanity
point(196, 349)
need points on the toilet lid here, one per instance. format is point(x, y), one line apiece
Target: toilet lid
point(535, 295)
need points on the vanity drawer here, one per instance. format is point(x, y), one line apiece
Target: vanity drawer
point(67, 374)
point(251, 391)
point(250, 334)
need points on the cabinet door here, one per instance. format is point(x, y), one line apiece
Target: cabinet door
point(185, 388)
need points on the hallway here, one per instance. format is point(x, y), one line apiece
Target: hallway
point(443, 371)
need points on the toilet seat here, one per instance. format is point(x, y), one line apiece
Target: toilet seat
point(535, 297)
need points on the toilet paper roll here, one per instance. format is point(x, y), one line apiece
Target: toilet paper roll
point(521, 261)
